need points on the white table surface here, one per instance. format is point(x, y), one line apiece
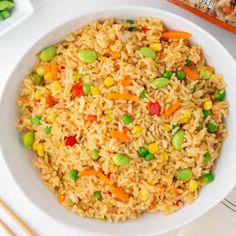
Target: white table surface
point(48, 14)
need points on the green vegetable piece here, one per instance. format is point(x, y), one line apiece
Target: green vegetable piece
point(180, 75)
point(36, 120)
point(219, 95)
point(193, 89)
point(200, 126)
point(133, 29)
point(208, 178)
point(36, 79)
point(87, 56)
point(205, 74)
point(95, 154)
point(73, 174)
point(6, 5)
point(127, 119)
point(48, 130)
point(175, 126)
point(184, 174)
point(130, 21)
point(48, 54)
point(206, 113)
point(98, 195)
point(149, 157)
point(160, 82)
point(1, 16)
point(143, 94)
point(187, 62)
point(207, 156)
point(142, 151)
point(28, 139)
point(120, 159)
point(212, 128)
point(6, 13)
point(178, 140)
point(167, 74)
point(86, 88)
point(148, 52)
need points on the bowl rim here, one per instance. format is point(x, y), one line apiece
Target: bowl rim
point(194, 216)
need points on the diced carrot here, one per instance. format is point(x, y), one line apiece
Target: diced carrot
point(211, 69)
point(54, 70)
point(91, 118)
point(47, 67)
point(153, 206)
point(119, 193)
point(120, 136)
point(162, 55)
point(173, 108)
point(161, 189)
point(103, 177)
point(122, 96)
point(126, 82)
point(190, 74)
point(60, 197)
point(115, 55)
point(51, 101)
point(174, 191)
point(92, 172)
point(88, 172)
point(176, 35)
point(125, 129)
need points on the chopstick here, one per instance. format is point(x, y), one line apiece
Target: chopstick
point(24, 226)
point(7, 229)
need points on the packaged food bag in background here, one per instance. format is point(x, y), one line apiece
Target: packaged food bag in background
point(219, 12)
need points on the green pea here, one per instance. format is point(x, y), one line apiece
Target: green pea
point(180, 75)
point(48, 54)
point(148, 52)
point(206, 113)
point(187, 62)
point(36, 120)
point(36, 79)
point(6, 5)
point(160, 82)
point(200, 126)
point(127, 119)
point(28, 139)
point(194, 88)
point(207, 156)
point(48, 130)
point(149, 157)
point(6, 13)
point(205, 74)
point(142, 151)
point(178, 140)
point(87, 56)
point(208, 178)
point(130, 21)
point(95, 154)
point(86, 88)
point(212, 128)
point(184, 174)
point(98, 195)
point(219, 95)
point(143, 94)
point(73, 174)
point(167, 74)
point(120, 159)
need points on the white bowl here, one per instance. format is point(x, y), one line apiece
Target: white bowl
point(22, 10)
point(19, 160)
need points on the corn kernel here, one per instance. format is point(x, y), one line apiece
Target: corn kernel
point(77, 75)
point(51, 118)
point(40, 149)
point(166, 127)
point(137, 129)
point(152, 148)
point(40, 70)
point(37, 95)
point(193, 185)
point(35, 145)
point(143, 195)
point(207, 105)
point(156, 47)
point(94, 91)
point(55, 86)
point(108, 118)
point(48, 76)
point(109, 81)
point(186, 118)
point(165, 156)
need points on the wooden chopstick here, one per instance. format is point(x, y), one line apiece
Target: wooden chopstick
point(6, 228)
point(24, 226)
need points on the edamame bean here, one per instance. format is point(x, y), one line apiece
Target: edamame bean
point(48, 54)
point(6, 5)
point(120, 159)
point(86, 88)
point(28, 139)
point(36, 79)
point(184, 174)
point(87, 56)
point(160, 82)
point(178, 140)
point(95, 154)
point(148, 52)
